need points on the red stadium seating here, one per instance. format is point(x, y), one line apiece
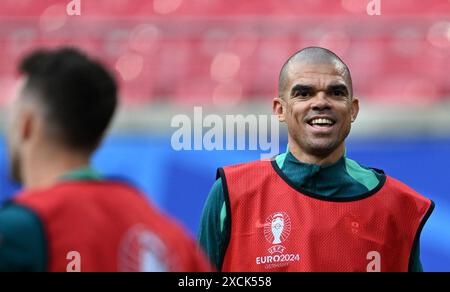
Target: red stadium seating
point(214, 51)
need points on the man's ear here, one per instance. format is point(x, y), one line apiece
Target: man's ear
point(278, 107)
point(355, 108)
point(26, 124)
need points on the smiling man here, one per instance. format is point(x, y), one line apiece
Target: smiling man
point(312, 208)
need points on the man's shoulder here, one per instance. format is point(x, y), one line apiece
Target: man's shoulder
point(15, 217)
point(22, 239)
point(396, 186)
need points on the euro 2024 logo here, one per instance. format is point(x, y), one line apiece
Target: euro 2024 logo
point(276, 230)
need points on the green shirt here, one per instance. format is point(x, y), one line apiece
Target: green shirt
point(345, 178)
point(23, 246)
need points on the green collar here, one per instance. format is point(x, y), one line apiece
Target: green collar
point(344, 178)
point(82, 173)
point(281, 158)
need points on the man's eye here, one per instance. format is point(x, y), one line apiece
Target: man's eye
point(338, 93)
point(303, 93)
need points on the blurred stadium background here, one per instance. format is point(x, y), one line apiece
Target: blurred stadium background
point(224, 55)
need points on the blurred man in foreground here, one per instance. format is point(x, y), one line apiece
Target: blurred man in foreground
point(69, 218)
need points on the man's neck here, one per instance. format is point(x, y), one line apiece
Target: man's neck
point(43, 171)
point(305, 157)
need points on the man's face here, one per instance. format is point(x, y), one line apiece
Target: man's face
point(318, 107)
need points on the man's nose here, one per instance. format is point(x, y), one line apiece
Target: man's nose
point(320, 101)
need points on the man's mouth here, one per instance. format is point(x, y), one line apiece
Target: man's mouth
point(321, 122)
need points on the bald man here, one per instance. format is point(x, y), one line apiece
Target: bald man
point(312, 208)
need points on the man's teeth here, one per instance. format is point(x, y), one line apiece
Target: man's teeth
point(322, 122)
